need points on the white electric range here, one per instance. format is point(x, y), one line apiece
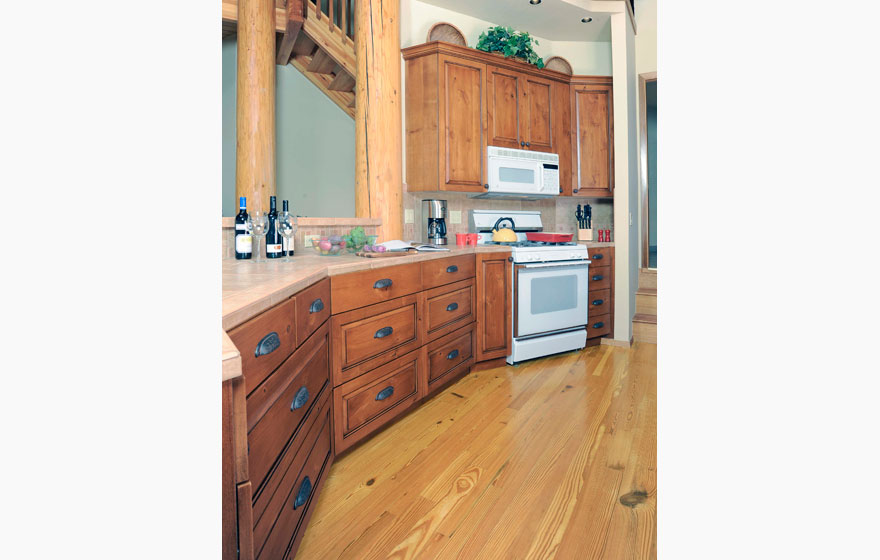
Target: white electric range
point(549, 286)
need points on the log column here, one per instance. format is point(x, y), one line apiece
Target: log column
point(378, 156)
point(255, 104)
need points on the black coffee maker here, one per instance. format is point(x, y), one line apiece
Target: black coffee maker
point(435, 213)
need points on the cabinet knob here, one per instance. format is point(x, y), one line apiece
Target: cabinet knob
point(452, 355)
point(316, 306)
point(522, 144)
point(385, 393)
point(383, 332)
point(528, 144)
point(597, 257)
point(597, 277)
point(486, 186)
point(598, 301)
point(575, 190)
point(267, 345)
point(305, 490)
point(451, 269)
point(300, 400)
point(452, 306)
point(599, 325)
point(383, 283)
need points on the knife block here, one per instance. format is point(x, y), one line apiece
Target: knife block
point(585, 234)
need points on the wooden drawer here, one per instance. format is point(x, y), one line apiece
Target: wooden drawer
point(364, 405)
point(446, 271)
point(265, 341)
point(598, 302)
point(447, 308)
point(369, 337)
point(359, 289)
point(449, 352)
point(599, 326)
point(285, 516)
point(600, 256)
point(312, 309)
point(278, 407)
point(599, 278)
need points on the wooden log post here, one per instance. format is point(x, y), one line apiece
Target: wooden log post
point(255, 104)
point(378, 156)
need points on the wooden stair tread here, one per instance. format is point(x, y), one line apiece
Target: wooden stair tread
point(644, 318)
point(321, 63)
point(342, 81)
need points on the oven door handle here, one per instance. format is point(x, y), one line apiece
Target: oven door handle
point(583, 264)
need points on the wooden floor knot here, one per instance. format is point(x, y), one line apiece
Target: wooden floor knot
point(371, 481)
point(634, 498)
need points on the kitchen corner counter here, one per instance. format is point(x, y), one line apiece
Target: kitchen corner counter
point(596, 244)
point(250, 288)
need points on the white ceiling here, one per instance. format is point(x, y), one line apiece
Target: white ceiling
point(555, 20)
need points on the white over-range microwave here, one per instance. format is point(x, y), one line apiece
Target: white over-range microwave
point(520, 174)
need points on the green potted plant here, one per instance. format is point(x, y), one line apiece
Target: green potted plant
point(510, 43)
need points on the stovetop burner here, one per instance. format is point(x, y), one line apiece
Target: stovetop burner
point(532, 243)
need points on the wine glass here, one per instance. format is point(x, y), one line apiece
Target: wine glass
point(249, 230)
point(261, 226)
point(286, 225)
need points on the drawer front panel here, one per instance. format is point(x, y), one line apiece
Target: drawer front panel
point(366, 338)
point(448, 307)
point(599, 278)
point(598, 303)
point(359, 289)
point(449, 352)
point(312, 309)
point(450, 376)
point(265, 341)
point(364, 405)
point(446, 271)
point(369, 401)
point(302, 485)
point(599, 326)
point(279, 406)
point(601, 256)
point(373, 335)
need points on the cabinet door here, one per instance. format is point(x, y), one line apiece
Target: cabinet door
point(463, 124)
point(503, 107)
point(594, 146)
point(536, 125)
point(493, 306)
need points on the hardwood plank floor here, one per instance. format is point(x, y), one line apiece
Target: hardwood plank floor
point(553, 458)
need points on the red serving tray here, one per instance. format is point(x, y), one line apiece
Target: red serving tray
point(549, 237)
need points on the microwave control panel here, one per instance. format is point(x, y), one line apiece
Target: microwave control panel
point(551, 176)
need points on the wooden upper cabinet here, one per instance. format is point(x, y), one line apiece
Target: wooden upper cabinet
point(462, 124)
point(593, 139)
point(520, 111)
point(538, 111)
point(503, 106)
point(460, 100)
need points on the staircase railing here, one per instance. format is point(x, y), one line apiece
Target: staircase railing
point(339, 15)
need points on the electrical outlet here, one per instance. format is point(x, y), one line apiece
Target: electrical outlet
point(409, 216)
point(455, 217)
point(307, 239)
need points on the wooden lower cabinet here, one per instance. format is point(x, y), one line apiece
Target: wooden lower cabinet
point(276, 427)
point(493, 307)
point(600, 299)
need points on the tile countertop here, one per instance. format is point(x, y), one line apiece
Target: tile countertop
point(250, 288)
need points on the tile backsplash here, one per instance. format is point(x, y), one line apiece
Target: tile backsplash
point(557, 214)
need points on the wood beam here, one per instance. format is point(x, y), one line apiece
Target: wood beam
point(378, 165)
point(255, 104)
point(342, 82)
point(322, 63)
point(293, 25)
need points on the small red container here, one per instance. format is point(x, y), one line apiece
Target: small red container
point(601, 235)
point(607, 235)
point(549, 237)
point(472, 238)
point(461, 239)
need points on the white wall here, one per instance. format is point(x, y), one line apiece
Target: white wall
point(646, 38)
point(589, 58)
point(314, 144)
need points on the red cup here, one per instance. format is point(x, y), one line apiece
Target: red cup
point(472, 238)
point(461, 239)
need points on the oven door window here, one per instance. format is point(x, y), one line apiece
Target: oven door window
point(550, 298)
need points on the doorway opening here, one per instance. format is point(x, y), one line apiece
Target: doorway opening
point(648, 174)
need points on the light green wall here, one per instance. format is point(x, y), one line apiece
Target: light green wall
point(314, 145)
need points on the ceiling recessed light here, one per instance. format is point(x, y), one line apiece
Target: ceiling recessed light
point(586, 20)
point(534, 2)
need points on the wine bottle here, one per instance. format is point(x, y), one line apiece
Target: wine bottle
point(287, 244)
point(273, 237)
point(244, 241)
